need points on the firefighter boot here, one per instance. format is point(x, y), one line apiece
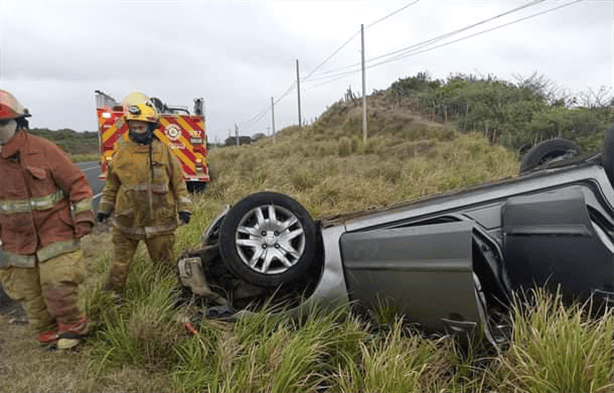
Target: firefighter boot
point(49, 339)
point(73, 334)
point(62, 304)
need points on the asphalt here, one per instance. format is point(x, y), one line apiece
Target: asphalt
point(91, 169)
point(9, 307)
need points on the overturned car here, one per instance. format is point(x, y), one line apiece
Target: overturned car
point(448, 262)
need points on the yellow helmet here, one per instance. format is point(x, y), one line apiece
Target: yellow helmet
point(134, 99)
point(142, 112)
point(137, 106)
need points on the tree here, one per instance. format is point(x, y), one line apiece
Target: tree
point(232, 141)
point(258, 136)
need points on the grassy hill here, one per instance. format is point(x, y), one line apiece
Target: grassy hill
point(329, 169)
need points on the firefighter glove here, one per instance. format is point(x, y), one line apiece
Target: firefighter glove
point(82, 228)
point(185, 217)
point(102, 217)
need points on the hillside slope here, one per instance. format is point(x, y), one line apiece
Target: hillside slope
point(329, 168)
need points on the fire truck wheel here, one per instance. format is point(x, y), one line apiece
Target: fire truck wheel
point(196, 186)
point(268, 239)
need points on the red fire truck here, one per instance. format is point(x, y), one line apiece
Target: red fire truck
point(181, 130)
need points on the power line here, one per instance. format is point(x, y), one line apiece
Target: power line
point(402, 55)
point(399, 57)
point(334, 79)
point(354, 35)
point(436, 39)
point(290, 89)
point(391, 14)
point(248, 125)
point(447, 35)
point(331, 78)
point(261, 114)
point(256, 116)
point(333, 54)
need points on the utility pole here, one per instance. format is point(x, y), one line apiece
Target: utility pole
point(364, 85)
point(273, 118)
point(298, 90)
point(237, 133)
point(268, 131)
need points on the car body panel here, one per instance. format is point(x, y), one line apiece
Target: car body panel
point(424, 273)
point(562, 249)
point(331, 289)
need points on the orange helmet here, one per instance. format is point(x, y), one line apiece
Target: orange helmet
point(10, 108)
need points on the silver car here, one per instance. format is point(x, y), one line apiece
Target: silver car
point(449, 262)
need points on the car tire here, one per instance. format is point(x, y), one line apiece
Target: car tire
point(268, 239)
point(607, 154)
point(546, 151)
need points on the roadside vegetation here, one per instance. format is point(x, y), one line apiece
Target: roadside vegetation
point(515, 114)
point(328, 168)
point(72, 142)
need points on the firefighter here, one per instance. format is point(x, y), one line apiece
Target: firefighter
point(147, 194)
point(45, 208)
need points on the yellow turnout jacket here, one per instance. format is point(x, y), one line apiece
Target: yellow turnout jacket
point(145, 189)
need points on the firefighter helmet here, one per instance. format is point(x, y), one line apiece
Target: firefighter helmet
point(10, 108)
point(135, 99)
point(142, 112)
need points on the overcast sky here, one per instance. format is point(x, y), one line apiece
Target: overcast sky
point(237, 55)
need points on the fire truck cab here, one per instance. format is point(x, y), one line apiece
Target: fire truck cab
point(182, 131)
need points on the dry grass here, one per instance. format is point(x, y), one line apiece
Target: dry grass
point(341, 173)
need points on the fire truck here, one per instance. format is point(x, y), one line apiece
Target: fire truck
point(182, 131)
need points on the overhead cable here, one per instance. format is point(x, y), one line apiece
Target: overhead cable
point(254, 120)
point(399, 57)
point(432, 40)
point(354, 35)
point(391, 14)
point(261, 114)
point(455, 32)
point(333, 78)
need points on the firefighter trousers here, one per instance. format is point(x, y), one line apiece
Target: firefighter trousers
point(48, 292)
point(160, 249)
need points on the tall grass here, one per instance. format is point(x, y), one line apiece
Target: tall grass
point(400, 361)
point(557, 348)
point(84, 157)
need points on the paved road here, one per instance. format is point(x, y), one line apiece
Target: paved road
point(91, 169)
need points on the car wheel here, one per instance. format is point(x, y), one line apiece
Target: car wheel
point(548, 151)
point(268, 239)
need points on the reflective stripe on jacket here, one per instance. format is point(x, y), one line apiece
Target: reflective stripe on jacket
point(145, 189)
point(44, 196)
